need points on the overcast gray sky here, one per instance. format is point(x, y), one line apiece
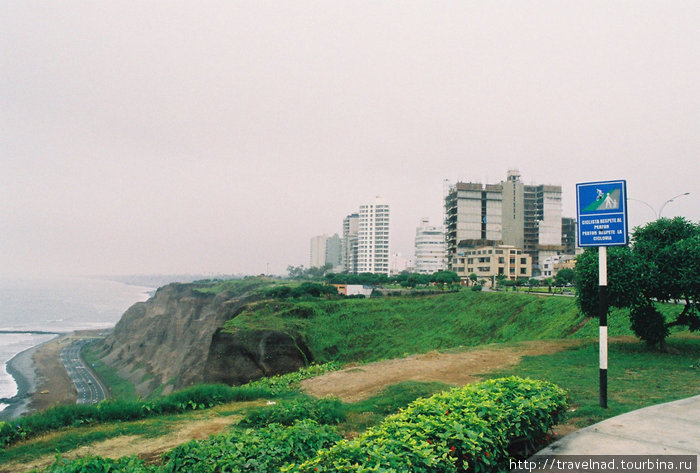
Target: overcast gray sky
point(154, 136)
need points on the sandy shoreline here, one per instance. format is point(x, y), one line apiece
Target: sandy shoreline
point(21, 368)
point(41, 379)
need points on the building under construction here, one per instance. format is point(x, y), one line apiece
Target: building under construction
point(509, 213)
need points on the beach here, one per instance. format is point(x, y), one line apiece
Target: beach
point(41, 379)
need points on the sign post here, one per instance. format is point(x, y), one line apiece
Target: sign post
point(601, 211)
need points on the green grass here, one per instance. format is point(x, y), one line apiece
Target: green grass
point(637, 375)
point(382, 328)
point(74, 437)
point(361, 330)
point(360, 415)
point(119, 388)
point(238, 286)
point(371, 411)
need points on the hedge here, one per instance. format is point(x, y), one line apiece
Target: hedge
point(464, 429)
point(251, 450)
point(323, 411)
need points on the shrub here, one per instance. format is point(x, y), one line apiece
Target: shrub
point(323, 411)
point(464, 429)
point(264, 450)
point(282, 384)
point(100, 465)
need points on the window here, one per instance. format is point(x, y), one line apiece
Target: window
point(523, 260)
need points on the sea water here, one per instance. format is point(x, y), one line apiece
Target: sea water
point(56, 305)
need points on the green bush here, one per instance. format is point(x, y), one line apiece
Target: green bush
point(285, 383)
point(198, 397)
point(464, 429)
point(323, 411)
point(100, 465)
point(263, 450)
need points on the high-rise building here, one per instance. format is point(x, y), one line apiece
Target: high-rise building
point(568, 235)
point(430, 248)
point(511, 213)
point(472, 216)
point(317, 257)
point(325, 250)
point(334, 252)
point(349, 243)
point(373, 238)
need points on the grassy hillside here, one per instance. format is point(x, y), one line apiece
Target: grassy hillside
point(352, 330)
point(381, 328)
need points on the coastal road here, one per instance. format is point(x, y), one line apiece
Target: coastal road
point(90, 391)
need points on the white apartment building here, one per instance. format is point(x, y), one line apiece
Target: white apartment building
point(552, 264)
point(373, 238)
point(430, 248)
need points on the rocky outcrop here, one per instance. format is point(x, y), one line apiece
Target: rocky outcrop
point(174, 340)
point(236, 358)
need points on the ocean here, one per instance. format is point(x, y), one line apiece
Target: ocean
point(56, 305)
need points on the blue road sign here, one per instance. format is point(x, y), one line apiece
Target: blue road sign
point(601, 210)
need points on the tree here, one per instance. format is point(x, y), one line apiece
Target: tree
point(444, 277)
point(473, 278)
point(532, 282)
point(499, 280)
point(564, 276)
point(548, 282)
point(662, 265)
point(295, 271)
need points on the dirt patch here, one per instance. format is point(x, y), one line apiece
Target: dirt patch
point(53, 386)
point(360, 382)
point(149, 449)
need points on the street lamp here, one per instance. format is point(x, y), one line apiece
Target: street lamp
point(647, 204)
point(671, 200)
point(658, 214)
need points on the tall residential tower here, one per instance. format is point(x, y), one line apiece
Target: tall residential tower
point(373, 238)
point(349, 250)
point(430, 248)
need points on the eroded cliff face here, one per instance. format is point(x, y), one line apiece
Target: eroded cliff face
point(174, 340)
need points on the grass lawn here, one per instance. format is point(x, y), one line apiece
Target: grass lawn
point(637, 375)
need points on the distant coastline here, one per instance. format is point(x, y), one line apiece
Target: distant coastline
point(34, 332)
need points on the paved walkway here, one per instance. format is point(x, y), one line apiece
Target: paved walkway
point(665, 429)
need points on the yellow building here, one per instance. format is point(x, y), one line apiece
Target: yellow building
point(487, 262)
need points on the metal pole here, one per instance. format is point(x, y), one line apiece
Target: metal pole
point(603, 315)
point(671, 200)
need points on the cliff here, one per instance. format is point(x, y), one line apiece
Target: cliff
point(174, 340)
